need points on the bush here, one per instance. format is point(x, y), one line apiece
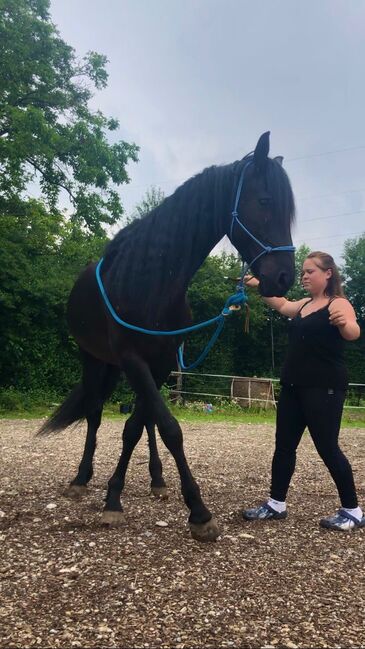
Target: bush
point(14, 400)
point(10, 400)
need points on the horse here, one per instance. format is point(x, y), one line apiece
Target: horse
point(145, 273)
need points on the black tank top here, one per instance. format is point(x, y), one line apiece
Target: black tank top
point(315, 357)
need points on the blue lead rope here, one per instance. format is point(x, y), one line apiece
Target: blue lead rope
point(236, 300)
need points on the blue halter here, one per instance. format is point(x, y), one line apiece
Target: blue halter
point(266, 250)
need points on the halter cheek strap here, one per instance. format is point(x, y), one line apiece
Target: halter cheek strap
point(266, 250)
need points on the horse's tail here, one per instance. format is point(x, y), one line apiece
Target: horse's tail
point(74, 408)
point(71, 410)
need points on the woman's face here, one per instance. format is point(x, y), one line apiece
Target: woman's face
point(314, 279)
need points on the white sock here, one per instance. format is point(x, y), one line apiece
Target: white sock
point(278, 505)
point(356, 512)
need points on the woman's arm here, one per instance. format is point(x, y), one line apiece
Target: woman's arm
point(281, 304)
point(342, 315)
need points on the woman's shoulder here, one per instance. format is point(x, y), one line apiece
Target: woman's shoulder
point(291, 308)
point(339, 300)
point(342, 298)
point(300, 304)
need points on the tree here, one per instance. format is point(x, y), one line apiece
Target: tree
point(153, 198)
point(48, 132)
point(297, 292)
point(234, 352)
point(41, 255)
point(353, 272)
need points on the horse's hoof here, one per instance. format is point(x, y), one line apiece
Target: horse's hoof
point(160, 492)
point(205, 532)
point(75, 491)
point(112, 518)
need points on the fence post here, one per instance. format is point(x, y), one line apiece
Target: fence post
point(179, 383)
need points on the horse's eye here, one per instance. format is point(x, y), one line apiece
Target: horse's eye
point(265, 201)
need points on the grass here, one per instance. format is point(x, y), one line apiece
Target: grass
point(194, 413)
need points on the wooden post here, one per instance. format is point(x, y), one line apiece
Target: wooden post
point(179, 383)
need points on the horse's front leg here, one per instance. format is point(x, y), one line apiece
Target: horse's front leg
point(158, 484)
point(203, 526)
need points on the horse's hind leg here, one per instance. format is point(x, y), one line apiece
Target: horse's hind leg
point(158, 484)
point(133, 429)
point(78, 485)
point(99, 380)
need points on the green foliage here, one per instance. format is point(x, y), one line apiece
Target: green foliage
point(47, 131)
point(49, 134)
point(353, 272)
point(15, 401)
point(41, 255)
point(153, 198)
point(297, 292)
point(235, 352)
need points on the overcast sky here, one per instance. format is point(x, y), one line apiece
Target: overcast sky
point(195, 83)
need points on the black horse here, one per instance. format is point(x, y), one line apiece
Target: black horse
point(146, 271)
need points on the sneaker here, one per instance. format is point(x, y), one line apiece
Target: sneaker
point(342, 521)
point(263, 512)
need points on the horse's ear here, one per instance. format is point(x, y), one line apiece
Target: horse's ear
point(279, 159)
point(262, 151)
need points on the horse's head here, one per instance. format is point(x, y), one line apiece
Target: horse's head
point(263, 212)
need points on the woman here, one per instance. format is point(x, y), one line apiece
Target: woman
point(314, 382)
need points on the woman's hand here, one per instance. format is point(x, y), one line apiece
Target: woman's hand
point(281, 304)
point(250, 280)
point(338, 315)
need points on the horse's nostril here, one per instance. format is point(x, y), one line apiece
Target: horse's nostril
point(283, 280)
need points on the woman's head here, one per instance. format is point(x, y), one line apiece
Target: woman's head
point(320, 274)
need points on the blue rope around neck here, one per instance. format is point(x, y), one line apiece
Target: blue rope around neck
point(236, 300)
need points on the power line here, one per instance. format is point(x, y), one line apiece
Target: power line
point(346, 191)
point(332, 216)
point(318, 155)
point(305, 157)
point(333, 236)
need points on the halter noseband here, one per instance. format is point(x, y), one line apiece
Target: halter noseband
point(266, 250)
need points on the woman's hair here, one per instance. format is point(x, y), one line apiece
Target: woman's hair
point(326, 262)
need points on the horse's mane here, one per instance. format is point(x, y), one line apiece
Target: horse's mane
point(278, 186)
point(151, 261)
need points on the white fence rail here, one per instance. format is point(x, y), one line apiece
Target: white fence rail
point(180, 391)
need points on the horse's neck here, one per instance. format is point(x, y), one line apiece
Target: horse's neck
point(205, 222)
point(155, 259)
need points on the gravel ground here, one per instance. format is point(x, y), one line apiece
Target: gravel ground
point(68, 582)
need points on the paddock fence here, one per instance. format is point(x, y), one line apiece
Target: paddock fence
point(246, 391)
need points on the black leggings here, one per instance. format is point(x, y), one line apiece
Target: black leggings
point(321, 410)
